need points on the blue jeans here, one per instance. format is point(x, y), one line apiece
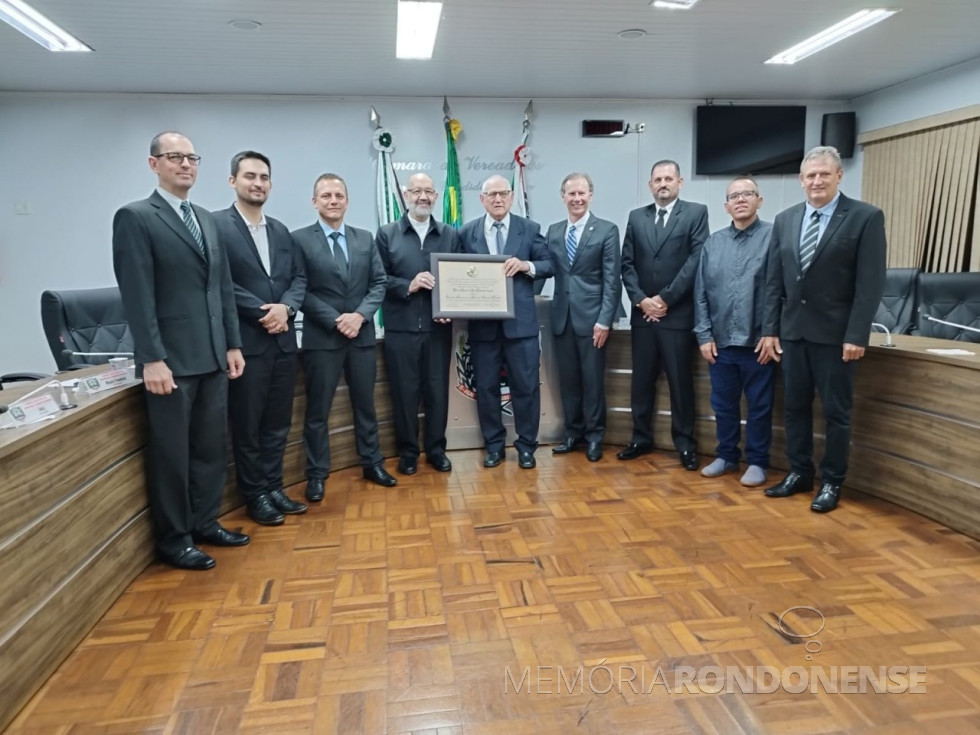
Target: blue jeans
point(735, 371)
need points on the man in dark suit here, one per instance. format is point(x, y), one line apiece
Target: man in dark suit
point(585, 253)
point(495, 342)
point(661, 250)
point(176, 289)
point(824, 283)
point(345, 285)
point(418, 349)
point(270, 284)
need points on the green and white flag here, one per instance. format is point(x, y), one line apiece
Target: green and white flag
point(391, 202)
point(452, 203)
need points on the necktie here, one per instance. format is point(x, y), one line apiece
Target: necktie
point(808, 245)
point(338, 253)
point(499, 238)
point(661, 218)
point(185, 212)
point(570, 244)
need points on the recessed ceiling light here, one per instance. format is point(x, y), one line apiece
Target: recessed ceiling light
point(38, 27)
point(674, 4)
point(245, 25)
point(418, 24)
point(829, 36)
point(631, 33)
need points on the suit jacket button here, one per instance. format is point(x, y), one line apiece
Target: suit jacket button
point(802, 301)
point(799, 278)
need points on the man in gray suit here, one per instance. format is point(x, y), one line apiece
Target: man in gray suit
point(177, 292)
point(345, 285)
point(585, 252)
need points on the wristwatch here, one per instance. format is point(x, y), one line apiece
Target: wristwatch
point(290, 311)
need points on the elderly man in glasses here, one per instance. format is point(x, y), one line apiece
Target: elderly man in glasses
point(729, 294)
point(418, 348)
point(513, 342)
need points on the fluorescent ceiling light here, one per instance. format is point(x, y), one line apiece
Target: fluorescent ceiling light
point(829, 36)
point(674, 4)
point(418, 24)
point(38, 27)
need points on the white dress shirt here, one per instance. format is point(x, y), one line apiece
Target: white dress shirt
point(260, 236)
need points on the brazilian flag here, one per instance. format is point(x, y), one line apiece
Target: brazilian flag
point(452, 203)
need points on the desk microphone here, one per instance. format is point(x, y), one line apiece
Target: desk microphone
point(951, 324)
point(64, 403)
point(72, 353)
point(4, 409)
point(888, 335)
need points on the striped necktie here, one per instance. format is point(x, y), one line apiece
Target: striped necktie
point(570, 244)
point(185, 212)
point(808, 245)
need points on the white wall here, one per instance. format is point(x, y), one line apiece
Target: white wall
point(948, 89)
point(70, 161)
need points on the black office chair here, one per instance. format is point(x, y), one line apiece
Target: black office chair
point(952, 297)
point(900, 300)
point(87, 320)
point(20, 377)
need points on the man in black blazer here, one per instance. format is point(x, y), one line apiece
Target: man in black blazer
point(176, 289)
point(345, 285)
point(495, 342)
point(824, 283)
point(270, 284)
point(661, 250)
point(585, 253)
point(418, 349)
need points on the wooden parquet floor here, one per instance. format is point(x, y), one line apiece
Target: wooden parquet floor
point(516, 602)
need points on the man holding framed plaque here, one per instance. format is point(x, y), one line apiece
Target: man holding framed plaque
point(511, 341)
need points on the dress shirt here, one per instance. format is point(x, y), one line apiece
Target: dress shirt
point(668, 207)
point(260, 236)
point(826, 212)
point(730, 285)
point(328, 230)
point(490, 233)
point(421, 228)
point(175, 202)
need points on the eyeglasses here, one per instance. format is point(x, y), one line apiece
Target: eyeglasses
point(420, 192)
point(192, 158)
point(495, 194)
point(736, 195)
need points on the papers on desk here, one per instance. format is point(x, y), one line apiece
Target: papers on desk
point(952, 353)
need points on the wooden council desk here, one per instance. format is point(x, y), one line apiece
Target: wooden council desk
point(75, 528)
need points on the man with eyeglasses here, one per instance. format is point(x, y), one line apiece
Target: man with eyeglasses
point(270, 284)
point(823, 286)
point(514, 342)
point(729, 294)
point(418, 348)
point(176, 288)
point(661, 250)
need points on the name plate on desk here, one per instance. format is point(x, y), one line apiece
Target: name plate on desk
point(33, 409)
point(107, 380)
point(470, 286)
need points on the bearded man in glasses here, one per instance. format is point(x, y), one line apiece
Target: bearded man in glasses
point(418, 348)
point(179, 300)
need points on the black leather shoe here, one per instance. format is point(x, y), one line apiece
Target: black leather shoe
point(689, 460)
point(408, 465)
point(379, 476)
point(285, 504)
point(569, 445)
point(190, 558)
point(314, 489)
point(634, 450)
point(593, 452)
point(218, 536)
point(792, 484)
point(493, 459)
point(440, 462)
point(526, 460)
point(827, 499)
point(263, 512)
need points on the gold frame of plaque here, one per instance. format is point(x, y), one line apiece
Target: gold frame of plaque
point(477, 287)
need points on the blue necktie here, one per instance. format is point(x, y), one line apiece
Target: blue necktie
point(808, 245)
point(499, 239)
point(338, 252)
point(185, 211)
point(570, 244)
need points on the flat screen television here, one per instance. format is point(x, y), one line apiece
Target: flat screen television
point(747, 139)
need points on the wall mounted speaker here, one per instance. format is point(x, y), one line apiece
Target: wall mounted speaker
point(839, 129)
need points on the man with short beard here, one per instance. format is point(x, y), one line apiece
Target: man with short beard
point(418, 348)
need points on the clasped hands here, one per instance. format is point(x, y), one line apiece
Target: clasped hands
point(654, 308)
point(276, 319)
